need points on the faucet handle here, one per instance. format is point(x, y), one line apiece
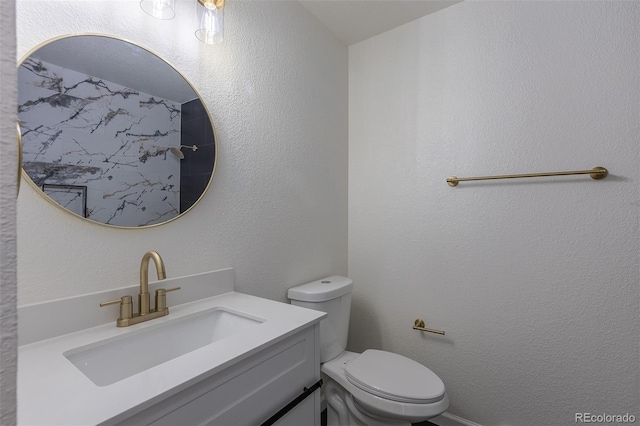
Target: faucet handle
point(126, 306)
point(161, 297)
point(123, 299)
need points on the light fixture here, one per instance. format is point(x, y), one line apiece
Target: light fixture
point(209, 15)
point(211, 28)
point(160, 9)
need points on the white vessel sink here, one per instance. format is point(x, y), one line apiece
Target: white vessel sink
point(114, 359)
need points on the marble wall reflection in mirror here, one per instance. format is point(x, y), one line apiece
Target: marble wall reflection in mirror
point(99, 118)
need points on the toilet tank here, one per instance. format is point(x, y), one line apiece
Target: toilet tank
point(333, 296)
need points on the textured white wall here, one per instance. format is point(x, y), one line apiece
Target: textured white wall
point(277, 208)
point(8, 263)
point(534, 282)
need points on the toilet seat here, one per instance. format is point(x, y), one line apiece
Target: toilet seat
point(377, 405)
point(394, 377)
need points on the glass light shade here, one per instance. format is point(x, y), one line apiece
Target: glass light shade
point(159, 9)
point(211, 28)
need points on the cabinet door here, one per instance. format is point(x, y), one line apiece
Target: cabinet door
point(304, 414)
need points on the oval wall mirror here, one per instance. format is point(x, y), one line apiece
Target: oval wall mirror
point(112, 133)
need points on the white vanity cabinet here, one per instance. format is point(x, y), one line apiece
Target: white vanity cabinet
point(219, 358)
point(248, 393)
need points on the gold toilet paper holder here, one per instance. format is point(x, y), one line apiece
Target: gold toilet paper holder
point(419, 325)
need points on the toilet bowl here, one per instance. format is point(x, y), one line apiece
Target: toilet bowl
point(383, 386)
point(375, 387)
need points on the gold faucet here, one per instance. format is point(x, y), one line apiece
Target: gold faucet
point(144, 312)
point(143, 297)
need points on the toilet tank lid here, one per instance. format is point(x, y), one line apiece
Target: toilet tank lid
point(321, 290)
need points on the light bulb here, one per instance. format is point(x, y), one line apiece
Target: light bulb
point(159, 9)
point(211, 29)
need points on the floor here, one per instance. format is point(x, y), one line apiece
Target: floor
point(323, 420)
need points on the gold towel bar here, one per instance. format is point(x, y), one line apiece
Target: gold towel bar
point(419, 325)
point(595, 173)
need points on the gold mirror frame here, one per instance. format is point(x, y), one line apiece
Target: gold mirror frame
point(19, 139)
point(23, 172)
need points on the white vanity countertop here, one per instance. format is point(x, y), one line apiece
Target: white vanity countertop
point(52, 391)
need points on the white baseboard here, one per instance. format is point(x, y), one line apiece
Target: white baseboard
point(448, 419)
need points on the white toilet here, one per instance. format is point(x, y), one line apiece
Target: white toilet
point(375, 387)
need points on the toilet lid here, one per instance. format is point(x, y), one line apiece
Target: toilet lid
point(395, 377)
